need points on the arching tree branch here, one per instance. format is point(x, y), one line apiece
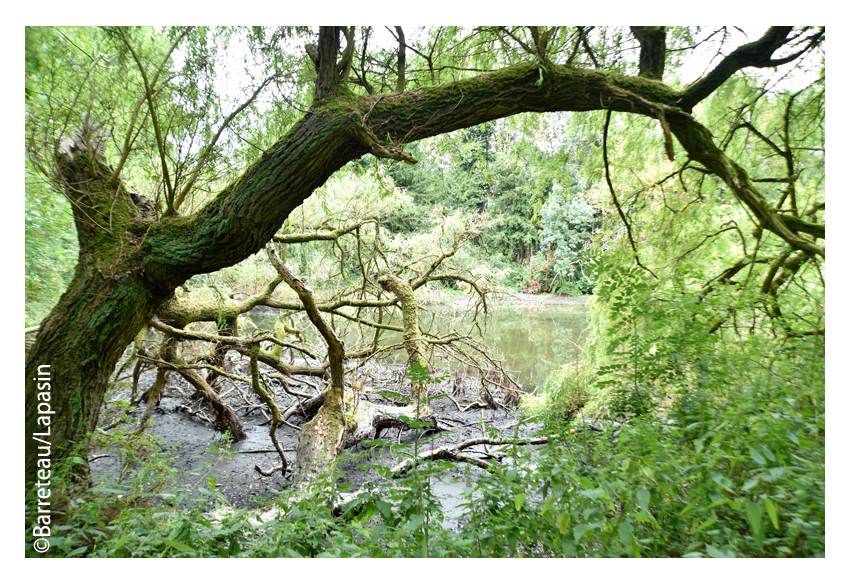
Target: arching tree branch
point(755, 54)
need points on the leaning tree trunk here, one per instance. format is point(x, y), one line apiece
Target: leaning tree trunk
point(79, 344)
point(81, 340)
point(129, 267)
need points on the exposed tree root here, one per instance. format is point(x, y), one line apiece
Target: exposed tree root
point(226, 418)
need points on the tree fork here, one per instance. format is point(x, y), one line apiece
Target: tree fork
point(653, 50)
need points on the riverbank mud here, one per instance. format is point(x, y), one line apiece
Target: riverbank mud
point(186, 434)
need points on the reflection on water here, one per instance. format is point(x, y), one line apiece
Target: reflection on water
point(534, 338)
point(537, 339)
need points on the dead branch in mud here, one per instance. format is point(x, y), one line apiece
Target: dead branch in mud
point(453, 452)
point(226, 418)
point(260, 390)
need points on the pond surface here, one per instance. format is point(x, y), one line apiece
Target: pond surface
point(534, 337)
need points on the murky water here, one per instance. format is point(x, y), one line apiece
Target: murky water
point(534, 337)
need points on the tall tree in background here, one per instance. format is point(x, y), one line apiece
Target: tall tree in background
point(131, 258)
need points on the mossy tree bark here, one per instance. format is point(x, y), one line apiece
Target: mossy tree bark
point(129, 266)
point(343, 419)
point(653, 50)
point(323, 437)
point(413, 343)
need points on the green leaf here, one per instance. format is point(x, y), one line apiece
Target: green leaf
point(758, 458)
point(385, 509)
point(722, 481)
point(415, 521)
point(234, 549)
point(549, 502)
point(718, 503)
point(579, 530)
point(519, 500)
point(593, 494)
point(627, 538)
point(772, 475)
point(211, 482)
point(179, 546)
point(706, 524)
point(78, 551)
point(754, 519)
point(376, 534)
point(771, 511)
point(563, 523)
point(643, 500)
point(667, 489)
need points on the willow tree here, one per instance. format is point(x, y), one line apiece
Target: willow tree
point(132, 257)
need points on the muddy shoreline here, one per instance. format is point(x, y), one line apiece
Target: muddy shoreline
point(183, 424)
point(195, 444)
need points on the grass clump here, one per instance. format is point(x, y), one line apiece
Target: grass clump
point(568, 388)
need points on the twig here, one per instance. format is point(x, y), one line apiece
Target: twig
point(454, 401)
point(271, 471)
point(474, 404)
point(614, 194)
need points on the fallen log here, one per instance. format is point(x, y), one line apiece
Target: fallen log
point(453, 452)
point(364, 419)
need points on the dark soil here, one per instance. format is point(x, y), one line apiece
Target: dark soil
point(194, 443)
